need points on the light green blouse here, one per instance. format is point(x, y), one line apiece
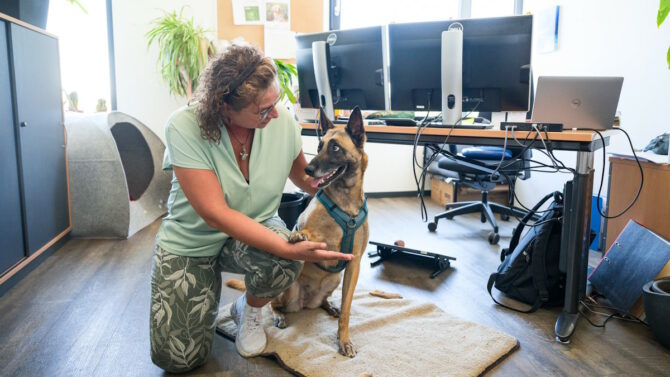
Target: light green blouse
point(275, 147)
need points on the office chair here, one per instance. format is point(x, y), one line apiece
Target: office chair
point(475, 167)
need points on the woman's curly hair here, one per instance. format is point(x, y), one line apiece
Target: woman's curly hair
point(214, 86)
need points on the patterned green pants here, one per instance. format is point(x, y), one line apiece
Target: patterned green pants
point(185, 295)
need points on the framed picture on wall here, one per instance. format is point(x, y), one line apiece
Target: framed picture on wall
point(248, 12)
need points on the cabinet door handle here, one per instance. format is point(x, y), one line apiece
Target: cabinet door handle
point(24, 124)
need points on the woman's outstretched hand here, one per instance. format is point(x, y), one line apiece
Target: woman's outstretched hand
point(309, 251)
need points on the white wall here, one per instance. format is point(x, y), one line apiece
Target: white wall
point(140, 91)
point(597, 37)
point(617, 38)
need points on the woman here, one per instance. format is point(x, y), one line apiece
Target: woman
point(231, 153)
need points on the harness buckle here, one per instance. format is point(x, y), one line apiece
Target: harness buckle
point(352, 223)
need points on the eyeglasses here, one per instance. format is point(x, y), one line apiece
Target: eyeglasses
point(266, 111)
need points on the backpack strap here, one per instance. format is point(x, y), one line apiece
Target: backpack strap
point(540, 247)
point(519, 229)
point(538, 264)
point(489, 287)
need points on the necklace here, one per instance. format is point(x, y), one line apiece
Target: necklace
point(243, 154)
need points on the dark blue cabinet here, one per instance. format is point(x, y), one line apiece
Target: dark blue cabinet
point(34, 202)
point(11, 228)
point(41, 135)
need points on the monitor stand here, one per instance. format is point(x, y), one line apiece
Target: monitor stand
point(321, 59)
point(452, 74)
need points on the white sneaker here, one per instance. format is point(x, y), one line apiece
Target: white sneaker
point(250, 340)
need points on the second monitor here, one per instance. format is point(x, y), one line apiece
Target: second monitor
point(355, 68)
point(495, 70)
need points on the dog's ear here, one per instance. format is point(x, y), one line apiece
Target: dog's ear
point(324, 122)
point(355, 127)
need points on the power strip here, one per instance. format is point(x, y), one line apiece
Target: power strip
point(523, 126)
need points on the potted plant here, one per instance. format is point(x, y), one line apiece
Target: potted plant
point(183, 51)
point(285, 73)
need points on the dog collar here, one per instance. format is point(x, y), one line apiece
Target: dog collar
point(348, 224)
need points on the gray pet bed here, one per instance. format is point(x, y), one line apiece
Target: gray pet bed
point(117, 186)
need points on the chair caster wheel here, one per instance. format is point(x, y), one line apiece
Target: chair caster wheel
point(449, 217)
point(482, 219)
point(432, 227)
point(504, 217)
point(494, 238)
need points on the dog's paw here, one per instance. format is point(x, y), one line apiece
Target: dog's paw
point(296, 237)
point(280, 321)
point(347, 349)
point(332, 310)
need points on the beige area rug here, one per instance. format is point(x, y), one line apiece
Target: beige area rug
point(393, 337)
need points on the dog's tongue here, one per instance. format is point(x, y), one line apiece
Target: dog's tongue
point(317, 181)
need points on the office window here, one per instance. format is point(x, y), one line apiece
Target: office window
point(84, 57)
point(492, 8)
point(362, 13)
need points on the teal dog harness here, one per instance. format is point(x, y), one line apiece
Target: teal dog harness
point(348, 224)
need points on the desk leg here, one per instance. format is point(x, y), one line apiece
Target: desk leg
point(576, 244)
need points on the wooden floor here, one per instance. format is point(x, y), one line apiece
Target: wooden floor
point(85, 310)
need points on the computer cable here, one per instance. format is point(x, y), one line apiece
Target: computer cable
point(551, 152)
point(510, 183)
point(419, 182)
point(540, 167)
point(502, 158)
point(609, 316)
point(527, 146)
point(441, 151)
point(512, 128)
point(602, 139)
point(548, 152)
point(318, 126)
point(513, 192)
point(436, 153)
point(602, 175)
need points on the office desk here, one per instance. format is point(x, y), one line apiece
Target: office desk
point(578, 193)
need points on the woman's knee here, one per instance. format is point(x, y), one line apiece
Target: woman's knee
point(274, 278)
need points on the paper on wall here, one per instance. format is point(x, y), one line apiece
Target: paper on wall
point(248, 12)
point(279, 43)
point(278, 14)
point(546, 29)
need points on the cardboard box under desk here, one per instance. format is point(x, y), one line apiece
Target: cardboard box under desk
point(442, 192)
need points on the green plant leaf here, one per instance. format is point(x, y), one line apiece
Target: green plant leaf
point(181, 55)
point(285, 74)
point(668, 57)
point(663, 11)
point(77, 3)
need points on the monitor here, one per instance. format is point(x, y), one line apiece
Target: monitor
point(496, 64)
point(355, 68)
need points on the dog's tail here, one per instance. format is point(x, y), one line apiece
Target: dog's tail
point(236, 284)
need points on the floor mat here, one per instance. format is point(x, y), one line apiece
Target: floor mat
point(393, 337)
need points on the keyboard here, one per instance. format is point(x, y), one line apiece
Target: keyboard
point(400, 122)
point(474, 126)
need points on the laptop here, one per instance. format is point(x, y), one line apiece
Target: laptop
point(577, 102)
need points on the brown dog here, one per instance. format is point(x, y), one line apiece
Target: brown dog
point(338, 171)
